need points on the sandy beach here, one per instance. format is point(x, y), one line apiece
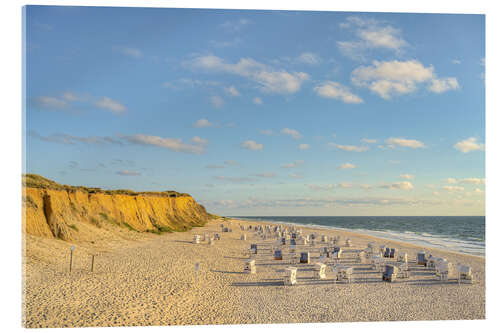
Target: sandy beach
point(144, 279)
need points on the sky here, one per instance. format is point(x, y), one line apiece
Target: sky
point(261, 112)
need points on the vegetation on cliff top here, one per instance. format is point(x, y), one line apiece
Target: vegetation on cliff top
point(37, 181)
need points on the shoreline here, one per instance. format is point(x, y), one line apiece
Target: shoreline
point(356, 232)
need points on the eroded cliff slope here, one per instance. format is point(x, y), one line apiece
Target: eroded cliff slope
point(70, 213)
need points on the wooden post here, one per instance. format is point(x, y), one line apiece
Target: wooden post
point(71, 257)
point(92, 267)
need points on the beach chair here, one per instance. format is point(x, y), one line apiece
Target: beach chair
point(362, 257)
point(253, 248)
point(403, 270)
point(336, 253)
point(387, 252)
point(392, 253)
point(390, 273)
point(465, 274)
point(243, 237)
point(377, 262)
point(278, 255)
point(325, 251)
point(290, 277)
point(443, 270)
point(304, 258)
point(196, 239)
point(293, 242)
point(403, 257)
point(250, 266)
point(421, 259)
point(324, 239)
point(283, 240)
point(217, 237)
point(347, 242)
point(342, 273)
point(320, 270)
point(211, 241)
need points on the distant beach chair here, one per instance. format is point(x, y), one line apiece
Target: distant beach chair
point(382, 250)
point(362, 257)
point(403, 257)
point(253, 248)
point(421, 259)
point(387, 252)
point(243, 237)
point(347, 242)
point(324, 239)
point(283, 240)
point(250, 266)
point(325, 252)
point(403, 270)
point(342, 273)
point(294, 235)
point(196, 239)
point(211, 241)
point(443, 270)
point(320, 270)
point(377, 262)
point(390, 273)
point(290, 277)
point(304, 258)
point(278, 255)
point(293, 242)
point(337, 252)
point(392, 253)
point(465, 273)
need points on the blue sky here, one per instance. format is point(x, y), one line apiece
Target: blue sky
point(261, 112)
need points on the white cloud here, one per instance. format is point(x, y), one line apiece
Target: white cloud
point(344, 185)
point(335, 90)
point(371, 34)
point(295, 176)
point(357, 149)
point(234, 179)
point(476, 181)
point(110, 105)
point(214, 166)
point(453, 188)
point(478, 190)
point(451, 180)
point(406, 176)
point(266, 132)
point(304, 146)
point(266, 175)
point(398, 186)
point(469, 145)
point(235, 25)
point(321, 187)
point(456, 62)
point(346, 166)
point(48, 102)
point(389, 78)
point(231, 162)
point(128, 173)
point(309, 58)
point(217, 102)
point(443, 84)
point(293, 164)
point(198, 146)
point(405, 143)
point(268, 79)
point(369, 140)
point(291, 132)
point(202, 123)
point(252, 145)
point(129, 51)
point(435, 193)
point(232, 91)
point(366, 186)
point(257, 101)
point(71, 139)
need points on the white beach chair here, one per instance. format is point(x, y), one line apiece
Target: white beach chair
point(347, 242)
point(342, 273)
point(465, 274)
point(250, 266)
point(320, 270)
point(403, 270)
point(211, 241)
point(403, 257)
point(337, 253)
point(290, 277)
point(243, 237)
point(443, 270)
point(362, 257)
point(196, 239)
point(377, 262)
point(324, 239)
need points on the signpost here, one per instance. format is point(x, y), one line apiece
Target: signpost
point(71, 257)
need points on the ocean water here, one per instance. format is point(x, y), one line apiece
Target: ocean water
point(463, 234)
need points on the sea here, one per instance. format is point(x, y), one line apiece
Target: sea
point(464, 234)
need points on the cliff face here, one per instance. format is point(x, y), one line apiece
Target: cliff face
point(62, 213)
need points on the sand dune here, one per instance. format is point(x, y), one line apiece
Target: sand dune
point(150, 279)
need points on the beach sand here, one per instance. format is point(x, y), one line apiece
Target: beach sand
point(146, 279)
